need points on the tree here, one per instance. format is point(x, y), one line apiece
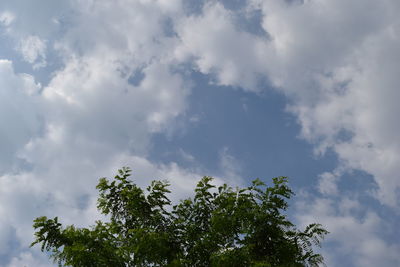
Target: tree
point(220, 226)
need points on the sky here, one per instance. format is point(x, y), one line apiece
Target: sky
point(179, 89)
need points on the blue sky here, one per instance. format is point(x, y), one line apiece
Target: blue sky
point(180, 89)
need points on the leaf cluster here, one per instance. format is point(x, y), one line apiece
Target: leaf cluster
point(219, 226)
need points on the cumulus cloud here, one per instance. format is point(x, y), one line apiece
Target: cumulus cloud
point(120, 82)
point(33, 50)
point(328, 183)
point(29, 259)
point(231, 167)
point(337, 62)
point(338, 65)
point(93, 99)
point(19, 116)
point(65, 187)
point(357, 229)
point(217, 47)
point(6, 18)
point(32, 18)
point(89, 119)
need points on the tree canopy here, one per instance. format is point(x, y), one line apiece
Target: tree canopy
point(219, 226)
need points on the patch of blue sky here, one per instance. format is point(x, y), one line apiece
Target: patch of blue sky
point(250, 22)
point(361, 185)
point(43, 74)
point(6, 45)
point(168, 27)
point(136, 77)
point(255, 129)
point(193, 7)
point(245, 20)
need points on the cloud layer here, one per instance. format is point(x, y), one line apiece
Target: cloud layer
point(123, 77)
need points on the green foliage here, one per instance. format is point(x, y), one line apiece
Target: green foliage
point(220, 226)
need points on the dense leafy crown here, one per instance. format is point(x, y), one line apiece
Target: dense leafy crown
point(220, 226)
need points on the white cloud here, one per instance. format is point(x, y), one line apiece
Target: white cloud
point(338, 65)
point(28, 259)
point(361, 239)
point(29, 17)
point(216, 47)
point(335, 60)
point(186, 156)
point(93, 99)
point(94, 120)
point(19, 118)
point(62, 183)
point(6, 18)
point(33, 50)
point(231, 167)
point(328, 183)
